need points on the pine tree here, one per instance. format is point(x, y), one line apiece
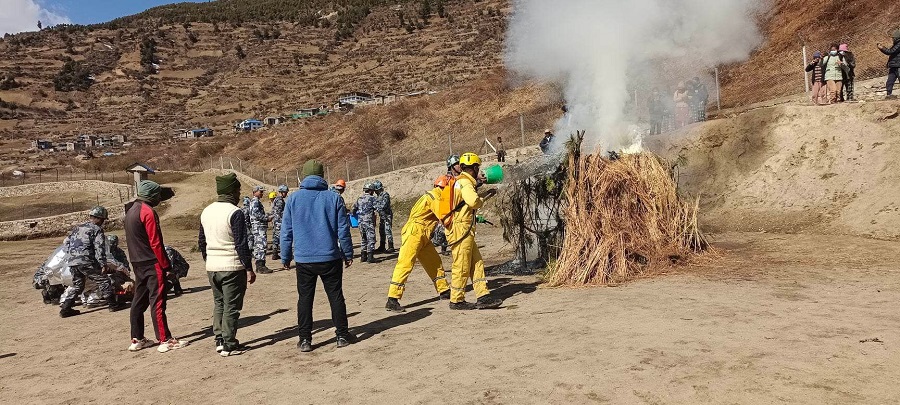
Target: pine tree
point(425, 11)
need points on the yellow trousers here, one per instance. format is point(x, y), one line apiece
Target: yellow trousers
point(467, 262)
point(415, 243)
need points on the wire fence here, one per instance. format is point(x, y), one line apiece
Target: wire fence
point(63, 174)
point(513, 132)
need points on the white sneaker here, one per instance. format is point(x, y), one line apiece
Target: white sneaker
point(231, 353)
point(140, 344)
point(170, 344)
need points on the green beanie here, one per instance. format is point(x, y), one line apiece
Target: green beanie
point(312, 167)
point(227, 184)
point(148, 191)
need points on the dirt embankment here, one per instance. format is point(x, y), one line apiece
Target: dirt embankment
point(795, 169)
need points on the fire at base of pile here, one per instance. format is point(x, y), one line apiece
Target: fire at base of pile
point(623, 218)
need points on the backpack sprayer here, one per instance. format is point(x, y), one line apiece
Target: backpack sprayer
point(492, 175)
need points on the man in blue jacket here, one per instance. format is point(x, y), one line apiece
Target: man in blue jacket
point(317, 220)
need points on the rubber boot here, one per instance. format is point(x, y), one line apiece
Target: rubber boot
point(67, 311)
point(363, 256)
point(391, 248)
point(261, 267)
point(372, 257)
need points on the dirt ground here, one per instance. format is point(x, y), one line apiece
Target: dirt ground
point(776, 319)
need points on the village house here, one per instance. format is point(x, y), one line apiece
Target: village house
point(354, 98)
point(248, 125)
point(194, 133)
point(275, 120)
point(41, 144)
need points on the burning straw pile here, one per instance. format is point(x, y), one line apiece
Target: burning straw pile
point(623, 217)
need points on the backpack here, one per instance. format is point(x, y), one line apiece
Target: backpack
point(445, 206)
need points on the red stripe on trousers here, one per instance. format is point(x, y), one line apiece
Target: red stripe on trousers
point(157, 305)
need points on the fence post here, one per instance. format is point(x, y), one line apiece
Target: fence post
point(221, 163)
point(718, 92)
point(393, 166)
point(450, 142)
point(369, 164)
point(348, 169)
point(522, 127)
point(805, 73)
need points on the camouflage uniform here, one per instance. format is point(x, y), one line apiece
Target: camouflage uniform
point(246, 210)
point(364, 209)
point(277, 213)
point(385, 220)
point(180, 269)
point(259, 224)
point(86, 248)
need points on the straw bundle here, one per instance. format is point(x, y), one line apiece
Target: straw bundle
point(623, 218)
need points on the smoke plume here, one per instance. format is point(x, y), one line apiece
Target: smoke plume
point(603, 52)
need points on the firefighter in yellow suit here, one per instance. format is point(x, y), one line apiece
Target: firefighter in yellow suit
point(416, 244)
point(467, 261)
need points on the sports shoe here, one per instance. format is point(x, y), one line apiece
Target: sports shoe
point(140, 344)
point(236, 351)
point(170, 344)
point(393, 305)
point(486, 302)
point(444, 295)
point(305, 345)
point(67, 312)
point(220, 345)
point(462, 306)
point(344, 341)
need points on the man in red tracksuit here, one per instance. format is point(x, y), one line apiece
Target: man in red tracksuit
point(150, 264)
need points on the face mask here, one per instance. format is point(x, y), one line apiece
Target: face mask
point(842, 52)
point(833, 53)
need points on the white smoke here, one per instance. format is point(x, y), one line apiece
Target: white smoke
point(602, 50)
point(22, 15)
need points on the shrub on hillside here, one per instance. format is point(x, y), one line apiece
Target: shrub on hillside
point(73, 76)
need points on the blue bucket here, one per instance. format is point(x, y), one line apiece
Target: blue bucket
point(354, 221)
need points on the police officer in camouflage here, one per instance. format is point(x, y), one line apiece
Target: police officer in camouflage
point(259, 225)
point(385, 217)
point(86, 248)
point(364, 209)
point(246, 211)
point(277, 213)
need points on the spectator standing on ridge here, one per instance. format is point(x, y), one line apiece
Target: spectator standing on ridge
point(682, 108)
point(699, 98)
point(849, 72)
point(545, 143)
point(817, 78)
point(315, 232)
point(501, 151)
point(834, 73)
point(657, 111)
point(893, 64)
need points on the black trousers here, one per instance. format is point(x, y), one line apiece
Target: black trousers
point(332, 274)
point(893, 75)
point(149, 292)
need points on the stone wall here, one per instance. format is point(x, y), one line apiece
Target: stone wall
point(104, 188)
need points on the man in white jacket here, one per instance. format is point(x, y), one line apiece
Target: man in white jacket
point(223, 244)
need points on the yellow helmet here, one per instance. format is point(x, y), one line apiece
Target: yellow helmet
point(469, 159)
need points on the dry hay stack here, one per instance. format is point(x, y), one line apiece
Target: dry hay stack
point(623, 218)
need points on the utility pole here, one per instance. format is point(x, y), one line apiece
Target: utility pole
point(522, 127)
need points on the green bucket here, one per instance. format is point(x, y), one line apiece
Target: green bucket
point(494, 174)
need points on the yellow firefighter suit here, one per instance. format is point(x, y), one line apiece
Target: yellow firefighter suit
point(415, 243)
point(467, 261)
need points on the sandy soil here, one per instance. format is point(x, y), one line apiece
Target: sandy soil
point(776, 319)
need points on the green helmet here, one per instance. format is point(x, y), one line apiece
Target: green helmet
point(112, 240)
point(377, 186)
point(452, 161)
point(99, 212)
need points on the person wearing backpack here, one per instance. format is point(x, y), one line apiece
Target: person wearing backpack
point(415, 243)
point(467, 260)
point(833, 66)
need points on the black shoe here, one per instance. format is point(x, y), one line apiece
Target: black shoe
point(364, 256)
point(393, 305)
point(67, 312)
point(391, 249)
point(486, 302)
point(276, 257)
point(462, 306)
point(54, 301)
point(444, 295)
point(305, 345)
point(372, 258)
point(179, 292)
point(344, 341)
point(379, 250)
point(116, 305)
point(220, 345)
point(261, 267)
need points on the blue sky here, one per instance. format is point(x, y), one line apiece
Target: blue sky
point(22, 15)
point(96, 11)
